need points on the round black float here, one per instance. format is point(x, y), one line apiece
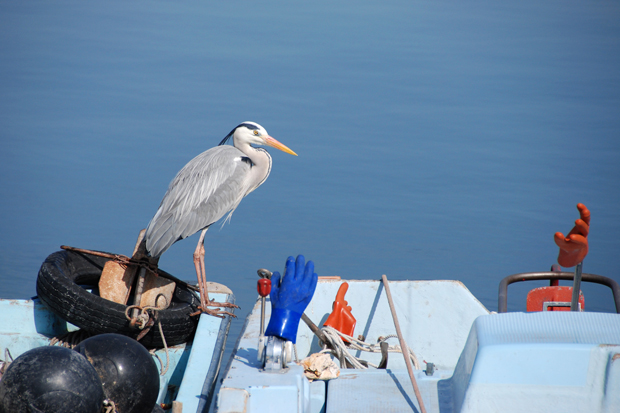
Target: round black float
point(127, 371)
point(49, 380)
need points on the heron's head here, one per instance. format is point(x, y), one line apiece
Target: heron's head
point(253, 133)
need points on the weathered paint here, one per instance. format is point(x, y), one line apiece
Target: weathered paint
point(192, 368)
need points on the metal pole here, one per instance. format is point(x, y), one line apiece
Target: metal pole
point(574, 304)
point(403, 344)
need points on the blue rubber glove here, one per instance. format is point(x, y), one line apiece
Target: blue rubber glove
point(290, 296)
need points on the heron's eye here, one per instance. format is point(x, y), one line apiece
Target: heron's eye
point(255, 132)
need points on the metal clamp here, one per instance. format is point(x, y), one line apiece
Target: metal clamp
point(277, 355)
point(548, 304)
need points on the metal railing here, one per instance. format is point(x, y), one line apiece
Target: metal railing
point(549, 275)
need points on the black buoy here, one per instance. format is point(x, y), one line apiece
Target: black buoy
point(50, 380)
point(127, 371)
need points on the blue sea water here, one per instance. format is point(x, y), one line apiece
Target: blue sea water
point(436, 140)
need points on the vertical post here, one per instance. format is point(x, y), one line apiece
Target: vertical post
point(264, 288)
point(139, 253)
point(574, 304)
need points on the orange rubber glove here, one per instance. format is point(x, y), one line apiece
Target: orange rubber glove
point(574, 247)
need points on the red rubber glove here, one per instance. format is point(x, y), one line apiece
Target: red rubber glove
point(574, 247)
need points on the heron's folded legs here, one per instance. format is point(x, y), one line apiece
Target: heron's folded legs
point(199, 264)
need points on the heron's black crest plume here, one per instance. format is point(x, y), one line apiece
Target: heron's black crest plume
point(228, 137)
point(247, 125)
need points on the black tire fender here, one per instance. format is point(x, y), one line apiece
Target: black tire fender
point(59, 287)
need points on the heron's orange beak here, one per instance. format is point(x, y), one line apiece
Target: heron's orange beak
point(275, 144)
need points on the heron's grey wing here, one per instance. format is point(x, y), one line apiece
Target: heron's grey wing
point(209, 186)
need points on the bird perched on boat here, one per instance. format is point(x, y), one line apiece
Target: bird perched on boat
point(210, 186)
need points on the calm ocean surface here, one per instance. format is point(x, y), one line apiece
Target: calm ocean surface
point(436, 140)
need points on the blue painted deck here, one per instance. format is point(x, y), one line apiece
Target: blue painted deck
point(512, 362)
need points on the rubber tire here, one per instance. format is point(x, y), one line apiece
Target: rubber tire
point(59, 288)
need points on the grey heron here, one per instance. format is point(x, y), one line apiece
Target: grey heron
point(210, 186)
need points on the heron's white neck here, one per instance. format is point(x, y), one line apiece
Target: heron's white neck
point(261, 164)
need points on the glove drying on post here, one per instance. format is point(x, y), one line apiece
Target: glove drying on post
point(290, 295)
point(574, 247)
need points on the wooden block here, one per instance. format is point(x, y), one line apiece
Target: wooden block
point(115, 282)
point(157, 288)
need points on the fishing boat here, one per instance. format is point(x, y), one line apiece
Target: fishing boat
point(469, 359)
point(187, 370)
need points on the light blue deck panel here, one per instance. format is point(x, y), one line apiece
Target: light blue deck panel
point(514, 362)
point(435, 317)
point(387, 391)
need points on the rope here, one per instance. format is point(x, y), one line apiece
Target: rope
point(70, 339)
point(341, 349)
point(153, 352)
point(125, 261)
point(144, 319)
point(4, 364)
point(109, 406)
point(119, 258)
